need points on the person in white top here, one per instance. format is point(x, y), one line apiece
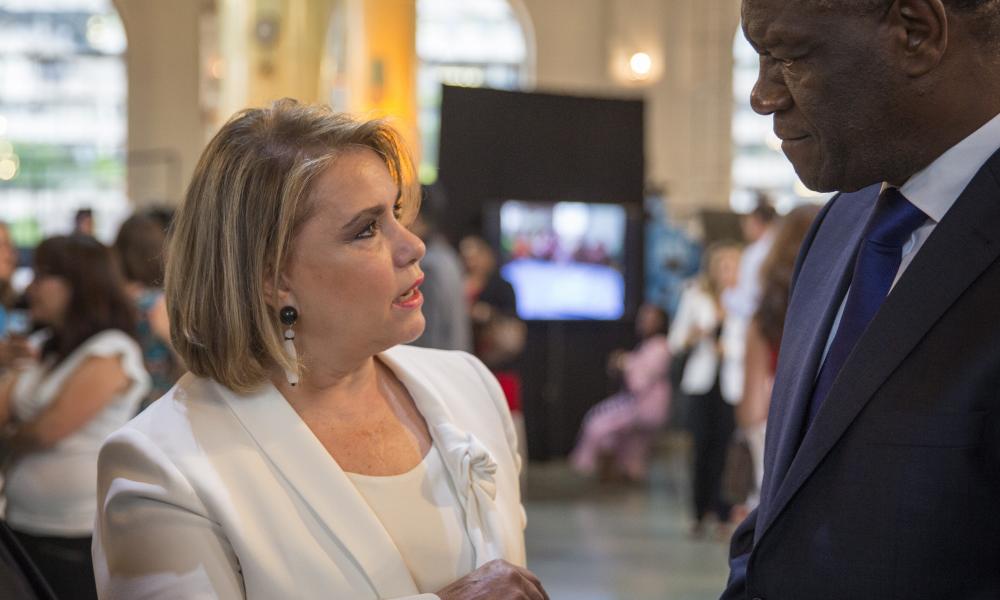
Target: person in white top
point(741, 300)
point(695, 332)
point(308, 454)
point(57, 411)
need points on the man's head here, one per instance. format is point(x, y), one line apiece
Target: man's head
point(864, 91)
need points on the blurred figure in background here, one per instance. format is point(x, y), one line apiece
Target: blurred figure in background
point(83, 222)
point(57, 411)
point(695, 334)
point(8, 263)
point(764, 335)
point(498, 335)
point(741, 300)
point(445, 309)
point(622, 428)
point(139, 247)
point(13, 344)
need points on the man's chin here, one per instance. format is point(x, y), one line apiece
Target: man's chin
point(813, 181)
point(822, 182)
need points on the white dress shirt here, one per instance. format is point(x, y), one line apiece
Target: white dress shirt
point(934, 191)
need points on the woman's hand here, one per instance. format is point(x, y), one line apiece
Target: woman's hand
point(496, 580)
point(695, 336)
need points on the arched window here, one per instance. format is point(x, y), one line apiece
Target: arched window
point(758, 164)
point(476, 43)
point(62, 116)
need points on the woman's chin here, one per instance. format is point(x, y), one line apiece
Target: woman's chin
point(417, 330)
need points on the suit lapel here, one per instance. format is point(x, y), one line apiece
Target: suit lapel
point(823, 281)
point(962, 246)
point(310, 470)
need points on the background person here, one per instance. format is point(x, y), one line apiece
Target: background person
point(741, 300)
point(624, 426)
point(696, 331)
point(764, 335)
point(140, 248)
point(308, 454)
point(57, 411)
point(445, 309)
point(8, 263)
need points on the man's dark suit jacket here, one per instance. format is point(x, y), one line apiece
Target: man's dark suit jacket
point(894, 492)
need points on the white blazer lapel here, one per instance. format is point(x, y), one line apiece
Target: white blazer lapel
point(468, 461)
point(310, 470)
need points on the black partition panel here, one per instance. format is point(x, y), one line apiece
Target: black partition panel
point(499, 145)
point(532, 146)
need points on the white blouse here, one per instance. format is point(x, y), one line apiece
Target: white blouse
point(422, 514)
point(54, 491)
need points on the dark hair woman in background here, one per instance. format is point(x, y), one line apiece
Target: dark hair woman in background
point(57, 411)
point(139, 246)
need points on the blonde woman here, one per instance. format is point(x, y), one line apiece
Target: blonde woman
point(695, 331)
point(307, 454)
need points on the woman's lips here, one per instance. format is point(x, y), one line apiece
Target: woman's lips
point(412, 297)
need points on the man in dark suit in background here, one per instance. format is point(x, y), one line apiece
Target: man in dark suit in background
point(882, 465)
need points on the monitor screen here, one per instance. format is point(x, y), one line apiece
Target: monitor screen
point(566, 260)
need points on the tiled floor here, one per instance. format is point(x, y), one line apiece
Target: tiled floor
point(588, 541)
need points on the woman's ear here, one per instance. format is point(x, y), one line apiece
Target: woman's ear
point(277, 293)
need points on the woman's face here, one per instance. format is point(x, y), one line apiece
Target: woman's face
point(648, 321)
point(48, 298)
point(353, 268)
point(725, 267)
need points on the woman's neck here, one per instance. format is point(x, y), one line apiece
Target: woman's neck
point(342, 391)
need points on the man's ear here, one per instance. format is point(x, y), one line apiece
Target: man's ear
point(922, 27)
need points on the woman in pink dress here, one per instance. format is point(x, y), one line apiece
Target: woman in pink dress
point(622, 427)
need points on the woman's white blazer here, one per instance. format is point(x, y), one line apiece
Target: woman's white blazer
point(212, 494)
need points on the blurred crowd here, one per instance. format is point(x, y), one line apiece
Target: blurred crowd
point(707, 370)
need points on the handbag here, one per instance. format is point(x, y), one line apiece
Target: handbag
point(679, 403)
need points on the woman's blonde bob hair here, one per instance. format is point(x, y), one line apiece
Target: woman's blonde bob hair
point(230, 236)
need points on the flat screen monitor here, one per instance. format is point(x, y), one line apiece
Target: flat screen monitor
point(566, 260)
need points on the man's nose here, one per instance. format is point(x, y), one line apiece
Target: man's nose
point(769, 94)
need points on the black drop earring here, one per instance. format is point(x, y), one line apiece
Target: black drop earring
point(289, 315)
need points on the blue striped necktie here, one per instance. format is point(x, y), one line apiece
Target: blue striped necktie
point(879, 257)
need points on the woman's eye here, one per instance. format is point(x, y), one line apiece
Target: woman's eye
point(368, 231)
point(397, 209)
